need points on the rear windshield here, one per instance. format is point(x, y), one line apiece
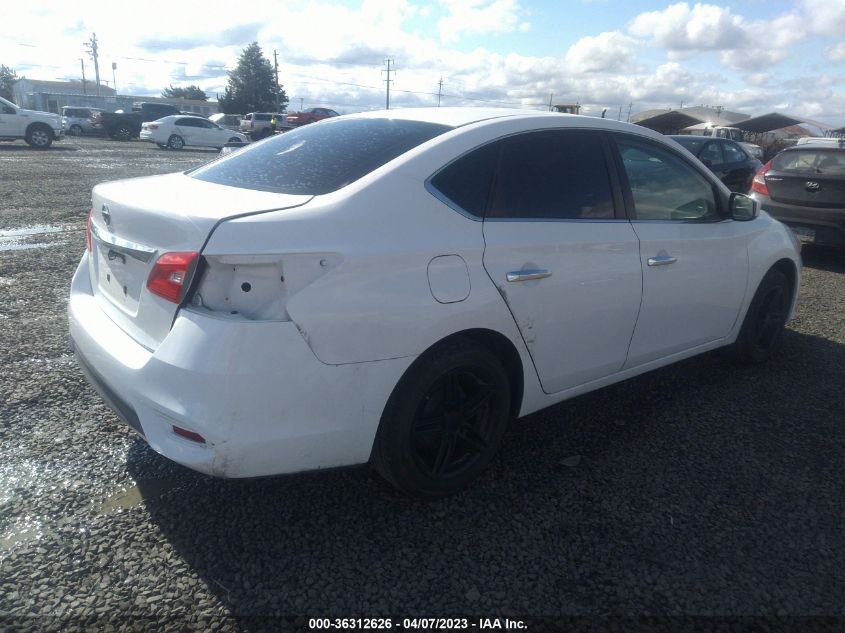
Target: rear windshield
point(319, 158)
point(692, 144)
point(811, 161)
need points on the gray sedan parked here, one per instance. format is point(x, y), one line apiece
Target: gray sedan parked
point(804, 187)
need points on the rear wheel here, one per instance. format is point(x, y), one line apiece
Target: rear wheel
point(39, 136)
point(175, 142)
point(764, 322)
point(75, 130)
point(234, 139)
point(444, 421)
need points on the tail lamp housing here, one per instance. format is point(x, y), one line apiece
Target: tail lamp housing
point(171, 275)
point(759, 183)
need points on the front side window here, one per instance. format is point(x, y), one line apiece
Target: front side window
point(319, 159)
point(187, 123)
point(553, 175)
point(665, 187)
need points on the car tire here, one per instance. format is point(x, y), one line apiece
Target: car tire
point(234, 139)
point(75, 130)
point(39, 136)
point(175, 142)
point(444, 421)
point(765, 320)
point(123, 132)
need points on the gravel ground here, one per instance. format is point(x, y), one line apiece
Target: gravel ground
point(699, 489)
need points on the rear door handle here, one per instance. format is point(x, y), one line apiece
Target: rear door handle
point(661, 260)
point(528, 275)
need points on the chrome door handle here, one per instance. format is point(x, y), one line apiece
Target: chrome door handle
point(528, 275)
point(661, 260)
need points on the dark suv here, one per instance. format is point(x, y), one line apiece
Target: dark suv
point(804, 187)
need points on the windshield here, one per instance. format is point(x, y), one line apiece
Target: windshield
point(825, 162)
point(319, 158)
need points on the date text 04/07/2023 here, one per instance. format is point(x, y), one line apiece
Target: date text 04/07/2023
point(416, 624)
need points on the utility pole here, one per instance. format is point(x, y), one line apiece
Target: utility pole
point(276, 66)
point(113, 80)
point(551, 96)
point(630, 105)
point(439, 91)
point(82, 63)
point(619, 118)
point(92, 47)
point(301, 100)
point(388, 61)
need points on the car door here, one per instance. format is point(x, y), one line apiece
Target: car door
point(738, 169)
point(562, 254)
point(208, 134)
point(694, 261)
point(9, 121)
point(188, 130)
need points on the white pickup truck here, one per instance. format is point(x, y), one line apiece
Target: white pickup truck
point(39, 129)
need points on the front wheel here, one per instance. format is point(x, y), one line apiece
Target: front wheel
point(234, 139)
point(75, 130)
point(39, 136)
point(123, 133)
point(444, 421)
point(765, 320)
point(176, 142)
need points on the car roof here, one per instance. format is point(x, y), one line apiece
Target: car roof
point(829, 147)
point(453, 116)
point(697, 137)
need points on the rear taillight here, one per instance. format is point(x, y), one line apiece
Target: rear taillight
point(152, 126)
point(171, 275)
point(759, 183)
point(88, 241)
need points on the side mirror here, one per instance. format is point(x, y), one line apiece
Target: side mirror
point(743, 208)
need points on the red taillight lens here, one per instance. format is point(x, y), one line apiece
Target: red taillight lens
point(759, 183)
point(171, 274)
point(152, 126)
point(88, 241)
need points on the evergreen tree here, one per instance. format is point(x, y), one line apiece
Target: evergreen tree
point(190, 92)
point(252, 85)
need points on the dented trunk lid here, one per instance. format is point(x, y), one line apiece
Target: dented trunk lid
point(133, 222)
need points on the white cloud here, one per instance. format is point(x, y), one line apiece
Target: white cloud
point(609, 51)
point(835, 53)
point(480, 17)
point(679, 27)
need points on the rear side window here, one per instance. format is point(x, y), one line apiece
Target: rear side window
point(817, 162)
point(712, 154)
point(553, 175)
point(319, 159)
point(262, 117)
point(733, 154)
point(467, 181)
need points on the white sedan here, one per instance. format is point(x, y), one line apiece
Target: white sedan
point(177, 131)
point(394, 287)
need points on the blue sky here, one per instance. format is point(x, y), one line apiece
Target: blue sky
point(752, 56)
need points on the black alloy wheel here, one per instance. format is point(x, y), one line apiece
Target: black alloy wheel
point(765, 320)
point(444, 420)
point(452, 425)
